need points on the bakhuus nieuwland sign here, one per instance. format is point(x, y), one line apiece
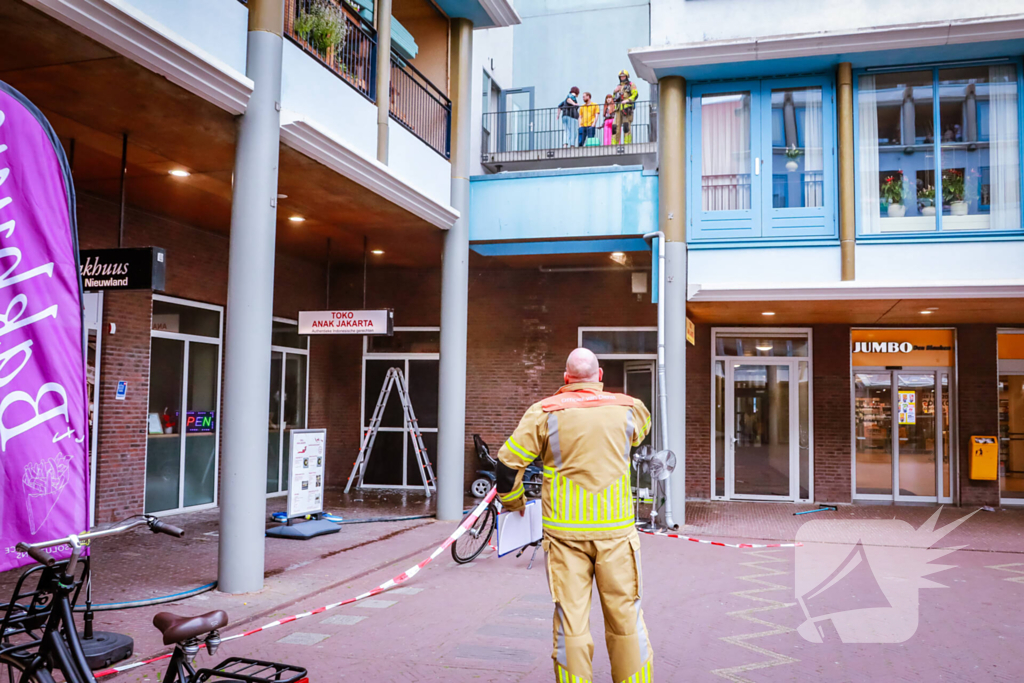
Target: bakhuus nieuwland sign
point(104, 269)
point(44, 480)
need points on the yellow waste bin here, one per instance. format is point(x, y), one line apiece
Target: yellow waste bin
point(984, 458)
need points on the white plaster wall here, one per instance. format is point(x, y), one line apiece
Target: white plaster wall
point(492, 52)
point(218, 27)
point(767, 266)
point(311, 90)
point(946, 261)
point(417, 165)
point(689, 21)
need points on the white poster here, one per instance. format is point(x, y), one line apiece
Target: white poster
point(308, 457)
point(346, 322)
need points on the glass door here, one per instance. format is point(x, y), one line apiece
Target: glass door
point(289, 355)
point(902, 435)
point(1011, 437)
point(729, 159)
point(639, 383)
point(761, 419)
point(516, 123)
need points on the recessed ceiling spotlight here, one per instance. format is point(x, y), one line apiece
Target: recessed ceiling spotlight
point(928, 312)
point(768, 313)
point(179, 173)
point(282, 196)
point(617, 254)
point(296, 219)
point(764, 347)
point(377, 252)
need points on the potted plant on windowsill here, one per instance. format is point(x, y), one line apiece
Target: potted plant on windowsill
point(926, 200)
point(793, 155)
point(892, 193)
point(953, 191)
point(321, 25)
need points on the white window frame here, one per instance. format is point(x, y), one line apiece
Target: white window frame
point(767, 332)
point(405, 357)
point(286, 350)
point(188, 338)
point(1009, 367)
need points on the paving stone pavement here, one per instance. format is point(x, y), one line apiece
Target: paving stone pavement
point(713, 613)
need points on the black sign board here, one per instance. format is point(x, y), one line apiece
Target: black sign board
point(105, 269)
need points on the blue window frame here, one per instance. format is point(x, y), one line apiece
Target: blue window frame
point(763, 163)
point(939, 151)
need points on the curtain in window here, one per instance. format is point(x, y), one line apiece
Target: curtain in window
point(1004, 149)
point(814, 160)
point(725, 151)
point(867, 156)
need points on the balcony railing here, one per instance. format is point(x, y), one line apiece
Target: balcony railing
point(538, 134)
point(354, 60)
point(420, 106)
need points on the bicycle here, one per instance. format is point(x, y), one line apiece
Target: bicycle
point(38, 634)
point(470, 544)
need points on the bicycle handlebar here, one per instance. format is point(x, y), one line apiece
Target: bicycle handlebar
point(37, 551)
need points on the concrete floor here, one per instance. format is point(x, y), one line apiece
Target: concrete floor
point(713, 613)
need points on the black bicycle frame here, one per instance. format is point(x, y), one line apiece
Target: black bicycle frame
point(59, 647)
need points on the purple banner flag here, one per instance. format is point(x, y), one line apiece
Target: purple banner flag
point(44, 473)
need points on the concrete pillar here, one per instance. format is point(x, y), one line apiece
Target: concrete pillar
point(383, 17)
point(451, 438)
point(243, 509)
point(847, 205)
point(672, 221)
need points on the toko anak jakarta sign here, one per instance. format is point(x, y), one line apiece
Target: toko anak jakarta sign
point(44, 485)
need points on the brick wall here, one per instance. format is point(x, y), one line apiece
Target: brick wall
point(698, 415)
point(978, 404)
point(196, 270)
point(832, 411)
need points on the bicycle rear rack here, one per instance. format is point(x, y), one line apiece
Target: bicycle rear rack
point(28, 610)
point(252, 671)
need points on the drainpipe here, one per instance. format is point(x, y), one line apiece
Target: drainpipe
point(672, 222)
point(243, 497)
point(383, 16)
point(847, 206)
point(662, 393)
point(451, 414)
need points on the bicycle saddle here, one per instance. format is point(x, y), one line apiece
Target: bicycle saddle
point(176, 629)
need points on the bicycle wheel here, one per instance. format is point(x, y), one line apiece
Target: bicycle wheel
point(474, 540)
point(11, 672)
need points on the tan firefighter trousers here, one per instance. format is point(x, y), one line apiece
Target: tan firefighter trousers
point(572, 567)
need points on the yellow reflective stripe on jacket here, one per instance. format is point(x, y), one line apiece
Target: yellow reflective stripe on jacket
point(564, 676)
point(513, 494)
point(520, 451)
point(642, 432)
point(573, 507)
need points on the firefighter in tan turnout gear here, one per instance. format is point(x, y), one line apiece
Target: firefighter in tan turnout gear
point(584, 435)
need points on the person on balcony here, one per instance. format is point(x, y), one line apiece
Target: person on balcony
point(570, 111)
point(609, 118)
point(588, 117)
point(626, 95)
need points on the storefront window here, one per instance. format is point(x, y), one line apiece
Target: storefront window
point(620, 341)
point(1011, 417)
point(939, 149)
point(761, 346)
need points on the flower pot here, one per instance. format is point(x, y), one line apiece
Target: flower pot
point(896, 211)
point(958, 208)
point(792, 165)
point(928, 211)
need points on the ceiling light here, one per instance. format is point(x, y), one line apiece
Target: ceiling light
point(926, 312)
point(296, 219)
point(768, 313)
point(178, 173)
point(377, 252)
point(764, 347)
point(932, 308)
point(617, 254)
point(282, 196)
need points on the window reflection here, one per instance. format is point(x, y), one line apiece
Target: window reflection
point(725, 151)
point(797, 154)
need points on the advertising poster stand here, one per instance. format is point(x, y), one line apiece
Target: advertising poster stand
point(308, 455)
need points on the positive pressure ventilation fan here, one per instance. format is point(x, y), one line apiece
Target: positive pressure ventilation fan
point(659, 465)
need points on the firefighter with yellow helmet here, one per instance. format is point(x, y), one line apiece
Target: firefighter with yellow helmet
point(625, 96)
point(583, 435)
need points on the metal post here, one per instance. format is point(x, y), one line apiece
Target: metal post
point(243, 507)
point(451, 438)
point(383, 17)
point(844, 103)
point(672, 221)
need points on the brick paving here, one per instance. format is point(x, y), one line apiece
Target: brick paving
point(713, 613)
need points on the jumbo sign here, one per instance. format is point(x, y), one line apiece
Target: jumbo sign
point(903, 347)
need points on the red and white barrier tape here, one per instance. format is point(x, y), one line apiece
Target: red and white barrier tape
point(390, 583)
point(724, 545)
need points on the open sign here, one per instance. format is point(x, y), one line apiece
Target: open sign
point(199, 421)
